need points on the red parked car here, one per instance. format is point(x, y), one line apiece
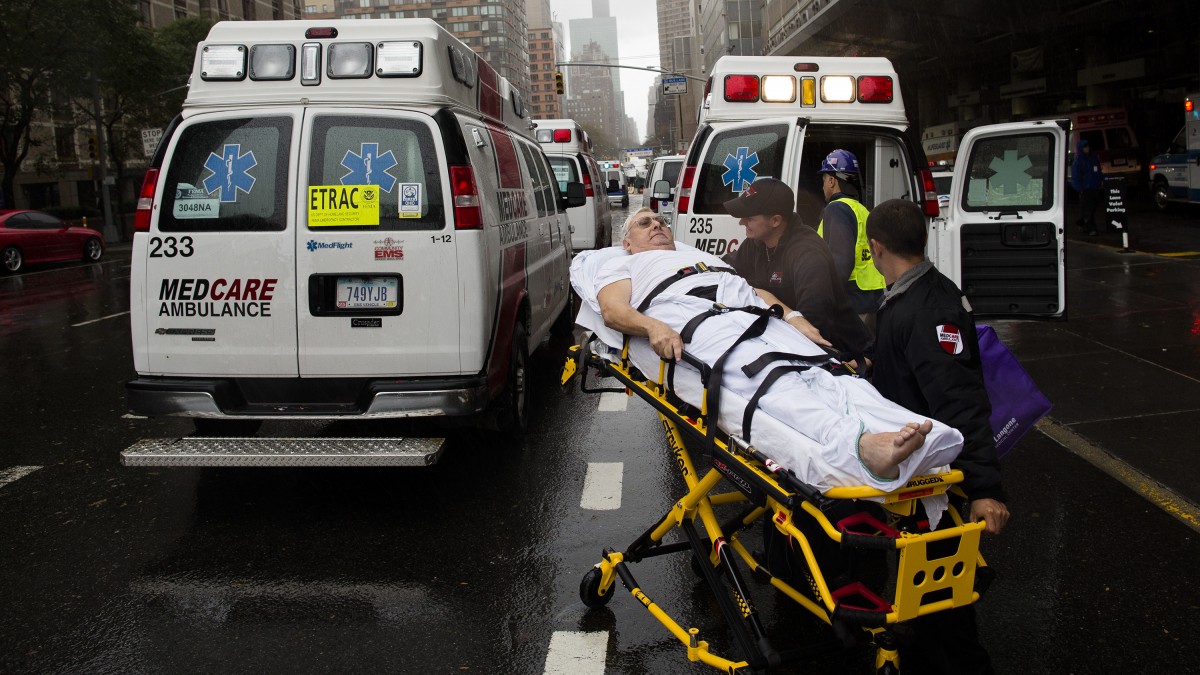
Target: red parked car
point(36, 237)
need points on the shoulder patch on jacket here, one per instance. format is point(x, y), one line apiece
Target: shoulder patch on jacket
point(950, 338)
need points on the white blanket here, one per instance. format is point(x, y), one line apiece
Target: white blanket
point(809, 422)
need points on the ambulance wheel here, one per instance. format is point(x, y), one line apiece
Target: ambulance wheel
point(1162, 196)
point(514, 402)
point(12, 259)
point(225, 427)
point(92, 250)
point(589, 589)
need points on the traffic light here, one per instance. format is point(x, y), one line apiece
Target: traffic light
point(558, 82)
point(92, 147)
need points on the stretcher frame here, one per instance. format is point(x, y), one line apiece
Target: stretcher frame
point(923, 583)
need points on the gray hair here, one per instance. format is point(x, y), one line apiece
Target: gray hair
point(632, 217)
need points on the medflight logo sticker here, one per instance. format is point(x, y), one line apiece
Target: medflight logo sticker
point(343, 206)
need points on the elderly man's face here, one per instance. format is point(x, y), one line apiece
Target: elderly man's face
point(648, 233)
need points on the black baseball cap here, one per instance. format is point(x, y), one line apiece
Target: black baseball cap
point(763, 197)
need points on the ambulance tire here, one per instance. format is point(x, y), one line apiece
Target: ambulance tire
point(513, 416)
point(1162, 196)
point(226, 428)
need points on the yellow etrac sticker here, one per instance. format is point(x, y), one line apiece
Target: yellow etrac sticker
point(343, 205)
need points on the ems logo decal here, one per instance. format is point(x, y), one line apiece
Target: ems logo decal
point(776, 279)
point(230, 172)
point(950, 338)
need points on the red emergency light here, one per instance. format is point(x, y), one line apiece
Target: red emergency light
point(875, 89)
point(320, 33)
point(741, 88)
point(562, 135)
point(1188, 105)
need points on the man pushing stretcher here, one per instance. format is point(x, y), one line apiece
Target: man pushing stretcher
point(829, 430)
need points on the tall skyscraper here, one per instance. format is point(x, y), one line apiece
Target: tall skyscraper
point(546, 48)
point(594, 40)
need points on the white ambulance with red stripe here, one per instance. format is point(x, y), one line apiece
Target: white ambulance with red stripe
point(350, 220)
point(569, 148)
point(1001, 238)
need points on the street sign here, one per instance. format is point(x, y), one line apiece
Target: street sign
point(150, 139)
point(674, 85)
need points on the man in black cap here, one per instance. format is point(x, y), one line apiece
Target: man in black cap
point(790, 261)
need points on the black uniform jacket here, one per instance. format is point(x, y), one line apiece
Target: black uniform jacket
point(927, 360)
point(801, 273)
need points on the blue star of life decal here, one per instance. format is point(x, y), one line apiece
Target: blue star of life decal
point(370, 167)
point(230, 172)
point(740, 167)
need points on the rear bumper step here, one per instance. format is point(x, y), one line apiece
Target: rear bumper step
point(206, 451)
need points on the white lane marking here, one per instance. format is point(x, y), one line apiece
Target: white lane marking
point(577, 653)
point(110, 316)
point(16, 473)
point(131, 416)
point(602, 486)
point(611, 401)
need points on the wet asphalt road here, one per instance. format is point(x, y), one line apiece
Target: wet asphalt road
point(473, 565)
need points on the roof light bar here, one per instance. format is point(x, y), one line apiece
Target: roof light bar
point(223, 62)
point(398, 59)
point(272, 62)
point(875, 89)
point(837, 89)
point(350, 60)
point(779, 88)
point(741, 88)
point(808, 92)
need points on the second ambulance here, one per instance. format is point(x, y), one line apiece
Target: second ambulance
point(1001, 238)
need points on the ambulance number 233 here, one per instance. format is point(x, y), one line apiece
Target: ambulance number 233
point(168, 247)
point(700, 226)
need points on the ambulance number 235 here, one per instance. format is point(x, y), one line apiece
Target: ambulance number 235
point(700, 226)
point(168, 247)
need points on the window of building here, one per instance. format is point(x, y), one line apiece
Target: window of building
point(460, 11)
point(64, 143)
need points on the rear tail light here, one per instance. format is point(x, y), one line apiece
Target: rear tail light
point(741, 88)
point(145, 203)
point(875, 89)
point(467, 214)
point(654, 204)
point(587, 184)
point(928, 187)
point(683, 199)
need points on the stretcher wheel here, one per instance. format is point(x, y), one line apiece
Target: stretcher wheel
point(590, 592)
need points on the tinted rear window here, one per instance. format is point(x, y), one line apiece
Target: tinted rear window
point(228, 176)
point(565, 171)
point(397, 155)
point(670, 172)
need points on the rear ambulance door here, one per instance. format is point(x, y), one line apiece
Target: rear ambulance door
point(1192, 153)
point(375, 248)
point(220, 290)
point(1002, 241)
point(734, 156)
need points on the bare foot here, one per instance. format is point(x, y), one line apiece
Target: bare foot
point(882, 453)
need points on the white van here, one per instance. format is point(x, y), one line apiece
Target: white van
point(1175, 173)
point(1001, 240)
point(348, 221)
point(668, 168)
point(569, 149)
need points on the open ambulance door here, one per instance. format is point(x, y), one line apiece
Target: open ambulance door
point(1002, 238)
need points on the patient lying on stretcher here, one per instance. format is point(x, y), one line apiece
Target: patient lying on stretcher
point(829, 430)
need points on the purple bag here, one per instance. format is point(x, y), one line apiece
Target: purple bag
point(1017, 403)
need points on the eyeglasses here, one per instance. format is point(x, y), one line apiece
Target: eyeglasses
point(648, 221)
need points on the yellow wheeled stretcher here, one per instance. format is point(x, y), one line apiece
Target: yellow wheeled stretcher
point(933, 570)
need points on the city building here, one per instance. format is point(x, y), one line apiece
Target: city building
point(546, 48)
point(594, 40)
point(591, 99)
point(730, 27)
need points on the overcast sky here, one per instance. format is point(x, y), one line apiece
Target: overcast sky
point(637, 40)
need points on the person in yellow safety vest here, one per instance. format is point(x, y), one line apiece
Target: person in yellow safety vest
point(844, 227)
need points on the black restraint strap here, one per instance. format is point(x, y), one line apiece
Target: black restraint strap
point(713, 392)
point(756, 366)
point(769, 380)
point(698, 268)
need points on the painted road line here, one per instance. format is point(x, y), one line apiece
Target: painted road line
point(602, 486)
point(577, 653)
point(1182, 508)
point(612, 401)
point(15, 473)
point(131, 416)
point(110, 316)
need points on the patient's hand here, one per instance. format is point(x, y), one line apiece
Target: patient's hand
point(810, 331)
point(664, 340)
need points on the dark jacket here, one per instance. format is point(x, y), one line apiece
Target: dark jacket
point(1085, 169)
point(801, 273)
point(927, 360)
